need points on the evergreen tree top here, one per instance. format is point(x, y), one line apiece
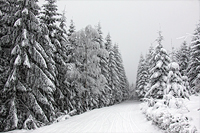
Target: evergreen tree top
point(62, 24)
point(72, 24)
point(141, 56)
point(63, 20)
point(100, 39)
point(160, 38)
point(50, 14)
point(108, 43)
point(71, 28)
point(196, 36)
point(50, 5)
point(108, 38)
point(151, 49)
point(99, 28)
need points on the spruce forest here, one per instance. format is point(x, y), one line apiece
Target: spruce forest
point(48, 69)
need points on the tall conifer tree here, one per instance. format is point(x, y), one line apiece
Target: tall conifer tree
point(194, 63)
point(58, 38)
point(159, 70)
point(183, 58)
point(28, 90)
point(142, 78)
point(123, 82)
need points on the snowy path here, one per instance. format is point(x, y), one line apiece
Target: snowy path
point(122, 118)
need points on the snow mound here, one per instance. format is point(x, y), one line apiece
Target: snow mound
point(173, 114)
point(156, 75)
point(174, 66)
point(159, 64)
point(163, 50)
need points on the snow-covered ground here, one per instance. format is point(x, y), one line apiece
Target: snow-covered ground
point(122, 118)
point(194, 106)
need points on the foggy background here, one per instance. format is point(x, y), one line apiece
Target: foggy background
point(134, 24)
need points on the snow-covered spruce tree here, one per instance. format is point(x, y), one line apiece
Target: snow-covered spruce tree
point(103, 55)
point(175, 86)
point(194, 63)
point(149, 64)
point(71, 28)
point(50, 16)
point(183, 59)
point(28, 90)
point(183, 55)
point(6, 29)
point(104, 67)
point(108, 43)
point(71, 46)
point(51, 71)
point(58, 38)
point(159, 70)
point(118, 87)
point(61, 58)
point(61, 36)
point(7, 11)
point(123, 82)
point(174, 55)
point(148, 60)
point(106, 71)
point(142, 77)
point(112, 78)
point(100, 39)
point(71, 75)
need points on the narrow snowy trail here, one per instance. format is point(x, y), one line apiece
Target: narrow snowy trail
point(122, 118)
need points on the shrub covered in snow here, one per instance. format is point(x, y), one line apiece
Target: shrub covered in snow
point(168, 114)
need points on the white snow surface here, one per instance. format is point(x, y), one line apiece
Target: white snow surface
point(163, 50)
point(125, 117)
point(174, 65)
point(159, 64)
point(194, 106)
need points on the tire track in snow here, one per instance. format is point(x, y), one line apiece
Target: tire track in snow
point(87, 124)
point(105, 122)
point(126, 123)
point(133, 123)
point(112, 121)
point(93, 124)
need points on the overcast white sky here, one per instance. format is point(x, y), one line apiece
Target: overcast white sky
point(134, 24)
